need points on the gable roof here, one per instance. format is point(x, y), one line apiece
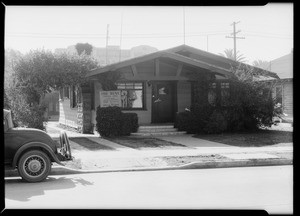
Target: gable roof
point(187, 55)
point(283, 66)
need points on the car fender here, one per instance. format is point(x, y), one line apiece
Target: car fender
point(34, 145)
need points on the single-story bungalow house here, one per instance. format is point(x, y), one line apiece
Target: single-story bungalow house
point(156, 86)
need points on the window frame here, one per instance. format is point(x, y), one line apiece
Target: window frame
point(75, 93)
point(143, 93)
point(224, 101)
point(279, 93)
point(213, 88)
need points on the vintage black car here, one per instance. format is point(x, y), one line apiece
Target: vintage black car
point(32, 151)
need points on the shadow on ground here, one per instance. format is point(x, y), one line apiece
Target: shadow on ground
point(250, 139)
point(38, 189)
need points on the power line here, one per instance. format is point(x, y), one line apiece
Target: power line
point(146, 34)
point(117, 36)
point(183, 26)
point(114, 36)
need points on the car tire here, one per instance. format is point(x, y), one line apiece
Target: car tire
point(34, 166)
point(65, 145)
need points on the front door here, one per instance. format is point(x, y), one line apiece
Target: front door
point(163, 102)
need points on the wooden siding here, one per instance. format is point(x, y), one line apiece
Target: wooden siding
point(288, 98)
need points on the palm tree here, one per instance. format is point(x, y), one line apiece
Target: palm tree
point(261, 64)
point(230, 54)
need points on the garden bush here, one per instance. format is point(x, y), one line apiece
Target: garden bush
point(129, 123)
point(111, 121)
point(185, 122)
point(217, 123)
point(195, 120)
point(249, 107)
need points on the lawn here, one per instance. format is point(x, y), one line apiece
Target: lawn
point(249, 139)
point(89, 144)
point(143, 142)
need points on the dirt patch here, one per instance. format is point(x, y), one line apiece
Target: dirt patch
point(284, 155)
point(89, 144)
point(250, 139)
point(177, 161)
point(144, 142)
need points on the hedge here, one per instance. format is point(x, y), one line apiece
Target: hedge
point(111, 121)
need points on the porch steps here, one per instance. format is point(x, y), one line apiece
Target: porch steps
point(157, 130)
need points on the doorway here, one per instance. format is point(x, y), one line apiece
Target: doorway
point(163, 102)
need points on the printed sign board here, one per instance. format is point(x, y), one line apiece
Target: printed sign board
point(110, 98)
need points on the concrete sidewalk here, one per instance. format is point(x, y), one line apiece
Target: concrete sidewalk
point(123, 157)
point(198, 153)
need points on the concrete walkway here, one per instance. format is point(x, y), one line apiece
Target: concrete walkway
point(125, 158)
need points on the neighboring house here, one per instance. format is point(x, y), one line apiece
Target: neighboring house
point(283, 91)
point(155, 86)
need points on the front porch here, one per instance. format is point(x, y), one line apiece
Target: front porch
point(157, 130)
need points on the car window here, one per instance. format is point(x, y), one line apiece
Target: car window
point(7, 120)
point(5, 125)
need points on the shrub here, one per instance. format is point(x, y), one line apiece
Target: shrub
point(217, 123)
point(249, 107)
point(201, 115)
point(111, 121)
point(184, 122)
point(195, 120)
point(129, 123)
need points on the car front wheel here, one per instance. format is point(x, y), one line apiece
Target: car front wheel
point(34, 166)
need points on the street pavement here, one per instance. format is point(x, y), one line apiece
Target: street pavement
point(267, 188)
point(123, 158)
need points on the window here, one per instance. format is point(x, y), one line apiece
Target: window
point(278, 92)
point(212, 94)
point(225, 93)
point(132, 95)
point(75, 96)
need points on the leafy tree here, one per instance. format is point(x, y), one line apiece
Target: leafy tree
point(84, 48)
point(10, 58)
point(39, 72)
point(229, 53)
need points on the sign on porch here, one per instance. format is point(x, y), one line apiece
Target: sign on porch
point(110, 98)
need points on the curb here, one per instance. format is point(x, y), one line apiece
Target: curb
point(61, 170)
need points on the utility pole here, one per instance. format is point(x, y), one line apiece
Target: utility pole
point(107, 32)
point(183, 26)
point(120, 53)
point(235, 37)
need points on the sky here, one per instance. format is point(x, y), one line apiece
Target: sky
point(267, 30)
